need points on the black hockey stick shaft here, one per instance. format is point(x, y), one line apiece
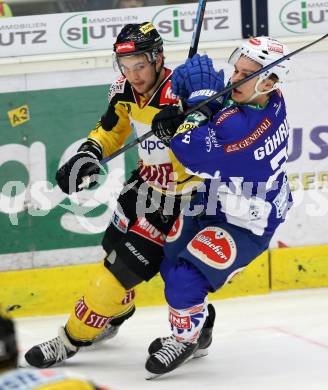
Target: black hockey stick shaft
point(192, 51)
point(198, 28)
point(216, 96)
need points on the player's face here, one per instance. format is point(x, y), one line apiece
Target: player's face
point(139, 72)
point(243, 68)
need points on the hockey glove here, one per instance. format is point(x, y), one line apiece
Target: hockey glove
point(199, 117)
point(196, 80)
point(85, 164)
point(166, 123)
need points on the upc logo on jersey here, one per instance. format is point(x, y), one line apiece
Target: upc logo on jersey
point(151, 145)
point(215, 247)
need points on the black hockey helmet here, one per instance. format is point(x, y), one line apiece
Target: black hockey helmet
point(137, 39)
point(8, 346)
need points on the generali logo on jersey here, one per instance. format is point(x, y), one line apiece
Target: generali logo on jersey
point(263, 127)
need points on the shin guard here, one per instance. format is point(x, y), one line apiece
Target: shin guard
point(105, 300)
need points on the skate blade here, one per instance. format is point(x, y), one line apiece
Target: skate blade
point(150, 375)
point(200, 353)
point(23, 364)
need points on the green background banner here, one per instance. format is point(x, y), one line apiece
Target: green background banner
point(52, 121)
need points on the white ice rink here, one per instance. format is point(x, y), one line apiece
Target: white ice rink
point(272, 342)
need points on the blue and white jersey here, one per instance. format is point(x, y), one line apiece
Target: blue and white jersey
point(245, 149)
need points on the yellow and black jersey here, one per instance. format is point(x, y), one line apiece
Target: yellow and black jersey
point(128, 112)
point(32, 379)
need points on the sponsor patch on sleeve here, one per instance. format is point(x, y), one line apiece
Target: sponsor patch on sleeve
point(167, 95)
point(225, 114)
point(116, 87)
point(120, 221)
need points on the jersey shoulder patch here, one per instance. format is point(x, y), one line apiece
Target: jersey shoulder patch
point(116, 87)
point(228, 114)
point(167, 96)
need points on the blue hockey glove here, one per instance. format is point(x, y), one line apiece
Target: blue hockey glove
point(196, 80)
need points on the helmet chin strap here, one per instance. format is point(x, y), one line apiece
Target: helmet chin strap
point(258, 93)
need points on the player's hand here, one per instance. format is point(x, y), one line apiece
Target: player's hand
point(80, 171)
point(196, 80)
point(166, 123)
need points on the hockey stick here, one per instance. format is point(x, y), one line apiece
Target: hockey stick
point(216, 96)
point(199, 23)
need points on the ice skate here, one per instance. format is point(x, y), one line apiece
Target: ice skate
point(204, 341)
point(52, 352)
point(169, 357)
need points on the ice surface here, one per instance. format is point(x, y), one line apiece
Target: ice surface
point(273, 342)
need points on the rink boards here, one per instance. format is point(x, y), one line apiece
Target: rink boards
point(55, 290)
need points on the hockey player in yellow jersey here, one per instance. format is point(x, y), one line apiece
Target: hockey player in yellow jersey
point(12, 377)
point(134, 240)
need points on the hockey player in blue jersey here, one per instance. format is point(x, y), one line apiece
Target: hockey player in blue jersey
point(241, 152)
